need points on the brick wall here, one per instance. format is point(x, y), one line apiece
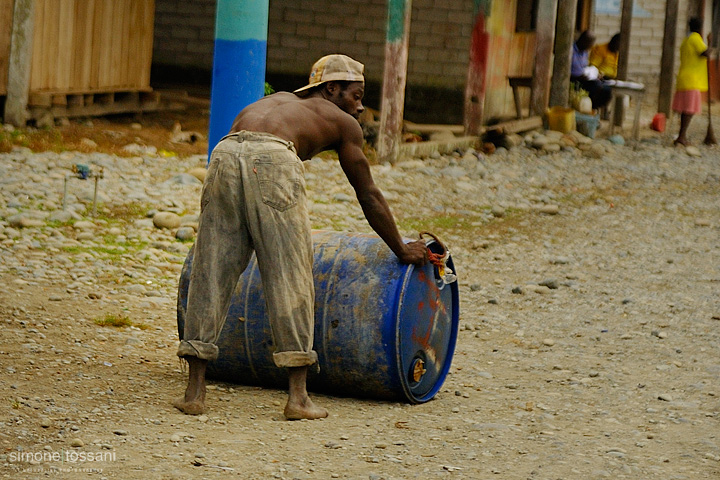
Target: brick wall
point(184, 33)
point(301, 31)
point(646, 39)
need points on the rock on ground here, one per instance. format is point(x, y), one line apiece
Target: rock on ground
point(590, 345)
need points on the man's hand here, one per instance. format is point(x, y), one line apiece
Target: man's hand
point(414, 253)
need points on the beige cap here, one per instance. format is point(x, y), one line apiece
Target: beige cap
point(335, 67)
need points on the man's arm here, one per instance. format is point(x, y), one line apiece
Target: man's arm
point(373, 203)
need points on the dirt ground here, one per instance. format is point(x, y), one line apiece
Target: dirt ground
point(589, 348)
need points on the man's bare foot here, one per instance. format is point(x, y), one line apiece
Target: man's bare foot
point(193, 402)
point(193, 407)
point(304, 410)
point(299, 406)
point(681, 141)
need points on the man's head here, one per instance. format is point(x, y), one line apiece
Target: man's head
point(614, 43)
point(695, 24)
point(339, 79)
point(585, 41)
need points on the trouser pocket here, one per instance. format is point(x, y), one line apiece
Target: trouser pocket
point(281, 183)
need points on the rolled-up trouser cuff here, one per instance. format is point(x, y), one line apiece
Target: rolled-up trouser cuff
point(196, 348)
point(295, 359)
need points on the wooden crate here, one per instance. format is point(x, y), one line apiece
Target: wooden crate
point(89, 46)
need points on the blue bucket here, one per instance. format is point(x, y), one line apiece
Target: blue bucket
point(383, 330)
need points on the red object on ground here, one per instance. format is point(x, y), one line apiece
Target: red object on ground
point(658, 122)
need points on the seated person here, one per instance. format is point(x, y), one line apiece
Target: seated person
point(585, 75)
point(605, 57)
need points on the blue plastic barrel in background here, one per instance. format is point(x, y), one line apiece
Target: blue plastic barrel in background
point(382, 329)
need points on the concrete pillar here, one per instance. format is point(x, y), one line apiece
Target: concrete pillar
point(239, 62)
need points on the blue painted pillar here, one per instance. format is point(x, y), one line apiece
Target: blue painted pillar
point(239, 62)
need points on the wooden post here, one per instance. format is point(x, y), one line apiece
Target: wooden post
point(696, 8)
point(667, 63)
point(715, 27)
point(562, 63)
point(392, 104)
point(625, 28)
point(477, 69)
point(20, 61)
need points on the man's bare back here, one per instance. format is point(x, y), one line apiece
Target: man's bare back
point(313, 123)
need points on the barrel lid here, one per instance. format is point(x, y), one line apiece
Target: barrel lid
point(427, 325)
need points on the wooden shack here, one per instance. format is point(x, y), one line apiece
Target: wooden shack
point(88, 57)
point(512, 53)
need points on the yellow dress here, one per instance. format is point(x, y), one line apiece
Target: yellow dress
point(693, 74)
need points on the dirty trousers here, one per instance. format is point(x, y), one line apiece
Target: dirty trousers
point(253, 199)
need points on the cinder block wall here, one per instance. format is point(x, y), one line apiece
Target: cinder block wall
point(646, 40)
point(301, 31)
point(184, 33)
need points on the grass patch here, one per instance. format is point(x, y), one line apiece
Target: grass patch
point(111, 320)
point(438, 223)
point(510, 224)
point(114, 252)
point(59, 224)
point(43, 139)
point(124, 212)
point(119, 321)
point(369, 152)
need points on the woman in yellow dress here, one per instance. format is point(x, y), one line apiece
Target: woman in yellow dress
point(692, 79)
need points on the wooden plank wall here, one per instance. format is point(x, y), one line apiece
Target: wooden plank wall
point(511, 54)
point(90, 46)
point(6, 18)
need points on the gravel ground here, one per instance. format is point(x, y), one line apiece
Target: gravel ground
point(590, 322)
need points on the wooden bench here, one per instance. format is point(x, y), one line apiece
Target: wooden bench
point(518, 82)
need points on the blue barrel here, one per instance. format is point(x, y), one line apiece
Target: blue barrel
point(383, 330)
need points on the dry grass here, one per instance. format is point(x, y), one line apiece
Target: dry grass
point(118, 321)
point(110, 134)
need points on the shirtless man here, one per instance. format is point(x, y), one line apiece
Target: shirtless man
point(253, 199)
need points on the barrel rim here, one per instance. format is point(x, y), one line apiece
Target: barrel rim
point(454, 328)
